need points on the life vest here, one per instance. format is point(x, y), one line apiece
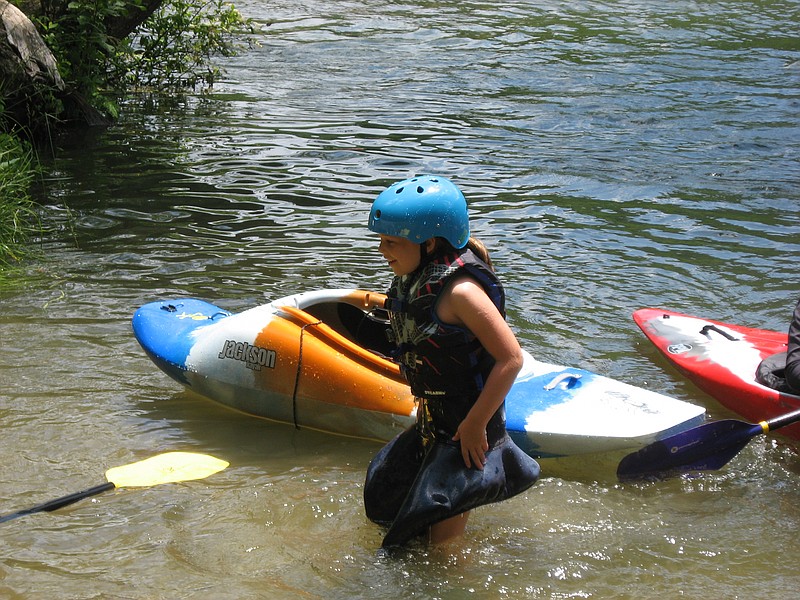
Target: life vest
point(444, 364)
point(782, 371)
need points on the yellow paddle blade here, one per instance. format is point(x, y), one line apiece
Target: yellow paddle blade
point(165, 468)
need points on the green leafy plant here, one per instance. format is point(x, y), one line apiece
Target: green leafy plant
point(18, 216)
point(172, 50)
point(78, 37)
point(175, 47)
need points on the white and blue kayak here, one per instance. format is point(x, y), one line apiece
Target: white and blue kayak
point(318, 360)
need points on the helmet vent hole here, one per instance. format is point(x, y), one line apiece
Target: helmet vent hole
point(377, 214)
point(399, 190)
point(420, 189)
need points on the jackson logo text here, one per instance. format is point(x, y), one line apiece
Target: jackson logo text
point(254, 357)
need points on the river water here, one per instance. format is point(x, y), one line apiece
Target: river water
point(615, 154)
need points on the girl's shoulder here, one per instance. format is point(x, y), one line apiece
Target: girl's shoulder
point(463, 298)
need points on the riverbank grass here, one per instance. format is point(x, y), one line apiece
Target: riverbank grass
point(18, 214)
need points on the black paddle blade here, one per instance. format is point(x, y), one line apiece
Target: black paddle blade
point(704, 448)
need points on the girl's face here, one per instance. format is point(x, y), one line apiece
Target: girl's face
point(402, 254)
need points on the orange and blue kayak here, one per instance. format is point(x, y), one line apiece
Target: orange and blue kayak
point(722, 360)
point(319, 360)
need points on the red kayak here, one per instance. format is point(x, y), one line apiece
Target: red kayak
point(722, 360)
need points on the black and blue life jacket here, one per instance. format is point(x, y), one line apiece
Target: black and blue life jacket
point(444, 364)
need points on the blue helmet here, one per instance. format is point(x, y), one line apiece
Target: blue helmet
point(421, 208)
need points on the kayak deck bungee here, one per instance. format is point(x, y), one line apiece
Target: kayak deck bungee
point(722, 359)
point(318, 360)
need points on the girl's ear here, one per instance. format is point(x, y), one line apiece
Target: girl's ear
point(429, 245)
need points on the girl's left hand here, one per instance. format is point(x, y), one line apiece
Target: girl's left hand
point(474, 444)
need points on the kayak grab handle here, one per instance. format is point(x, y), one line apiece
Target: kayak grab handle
point(198, 316)
point(704, 331)
point(570, 378)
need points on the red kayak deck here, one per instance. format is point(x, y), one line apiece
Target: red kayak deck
point(721, 359)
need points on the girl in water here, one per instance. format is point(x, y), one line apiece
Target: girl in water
point(460, 357)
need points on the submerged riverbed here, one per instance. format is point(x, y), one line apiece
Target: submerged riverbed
point(615, 155)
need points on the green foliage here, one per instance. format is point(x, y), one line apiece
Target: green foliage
point(171, 51)
point(79, 39)
point(174, 48)
point(18, 216)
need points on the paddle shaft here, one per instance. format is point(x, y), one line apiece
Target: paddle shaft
point(782, 421)
point(60, 502)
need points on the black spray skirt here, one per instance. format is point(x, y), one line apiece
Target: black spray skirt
point(409, 489)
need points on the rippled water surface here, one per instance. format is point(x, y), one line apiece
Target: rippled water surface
point(615, 155)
